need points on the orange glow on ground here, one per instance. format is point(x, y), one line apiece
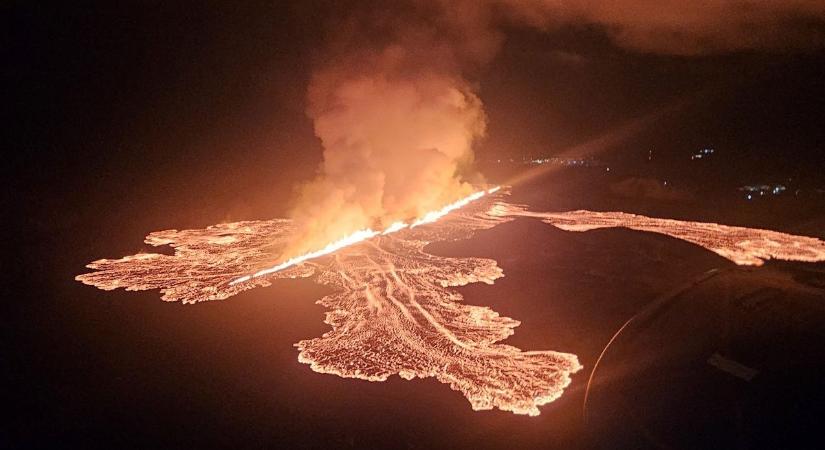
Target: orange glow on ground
point(743, 246)
point(394, 310)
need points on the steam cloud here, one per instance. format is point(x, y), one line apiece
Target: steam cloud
point(397, 115)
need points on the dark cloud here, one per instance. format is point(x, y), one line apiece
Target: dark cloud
point(684, 27)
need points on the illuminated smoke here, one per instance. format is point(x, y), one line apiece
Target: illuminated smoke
point(396, 117)
point(395, 107)
point(363, 235)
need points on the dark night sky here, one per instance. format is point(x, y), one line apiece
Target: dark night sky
point(128, 117)
point(216, 94)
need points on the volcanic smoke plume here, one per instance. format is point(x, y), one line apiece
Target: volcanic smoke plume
point(393, 102)
point(397, 120)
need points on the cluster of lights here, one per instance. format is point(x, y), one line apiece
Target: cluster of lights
point(580, 162)
point(762, 190)
point(704, 153)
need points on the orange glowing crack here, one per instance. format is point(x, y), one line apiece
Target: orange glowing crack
point(362, 235)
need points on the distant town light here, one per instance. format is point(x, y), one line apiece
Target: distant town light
point(762, 189)
point(705, 152)
point(569, 162)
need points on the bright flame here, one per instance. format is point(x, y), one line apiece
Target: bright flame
point(432, 216)
point(395, 227)
point(358, 236)
point(363, 235)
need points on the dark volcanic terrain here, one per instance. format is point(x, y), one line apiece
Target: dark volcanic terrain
point(94, 368)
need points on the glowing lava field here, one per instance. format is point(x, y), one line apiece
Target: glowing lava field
point(394, 311)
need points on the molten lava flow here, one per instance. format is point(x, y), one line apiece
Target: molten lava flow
point(743, 246)
point(394, 311)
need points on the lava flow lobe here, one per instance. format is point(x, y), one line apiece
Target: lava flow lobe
point(393, 312)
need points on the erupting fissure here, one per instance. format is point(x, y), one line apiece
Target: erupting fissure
point(362, 235)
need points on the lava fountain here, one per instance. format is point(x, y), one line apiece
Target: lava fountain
point(394, 311)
